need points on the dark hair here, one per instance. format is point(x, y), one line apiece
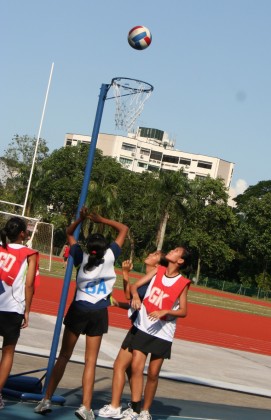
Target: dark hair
point(163, 261)
point(187, 257)
point(96, 247)
point(13, 228)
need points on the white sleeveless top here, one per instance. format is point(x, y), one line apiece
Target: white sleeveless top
point(96, 284)
point(13, 298)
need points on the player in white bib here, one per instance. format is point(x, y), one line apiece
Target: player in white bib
point(88, 312)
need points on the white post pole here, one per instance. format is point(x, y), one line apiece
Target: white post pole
point(37, 142)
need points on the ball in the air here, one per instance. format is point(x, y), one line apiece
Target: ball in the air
point(139, 37)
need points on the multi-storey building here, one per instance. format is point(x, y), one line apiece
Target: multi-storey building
point(150, 149)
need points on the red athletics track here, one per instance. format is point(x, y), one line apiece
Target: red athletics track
point(204, 324)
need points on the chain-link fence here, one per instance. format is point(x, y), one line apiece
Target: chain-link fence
point(223, 285)
point(231, 287)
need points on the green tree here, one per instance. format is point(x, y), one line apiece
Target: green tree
point(256, 230)
point(210, 225)
point(170, 197)
point(18, 158)
point(103, 188)
point(135, 192)
point(20, 151)
point(61, 178)
point(257, 191)
point(264, 283)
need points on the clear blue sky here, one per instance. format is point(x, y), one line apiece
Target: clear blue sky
point(209, 63)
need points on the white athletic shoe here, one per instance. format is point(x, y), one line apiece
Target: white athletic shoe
point(144, 415)
point(44, 406)
point(129, 414)
point(84, 414)
point(108, 411)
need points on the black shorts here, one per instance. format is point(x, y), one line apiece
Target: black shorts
point(86, 321)
point(146, 343)
point(10, 326)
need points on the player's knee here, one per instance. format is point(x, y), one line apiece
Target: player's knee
point(153, 376)
point(64, 356)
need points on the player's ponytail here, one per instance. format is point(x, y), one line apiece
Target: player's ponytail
point(3, 235)
point(163, 261)
point(96, 247)
point(187, 260)
point(12, 230)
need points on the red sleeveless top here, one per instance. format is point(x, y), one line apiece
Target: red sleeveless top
point(161, 296)
point(11, 260)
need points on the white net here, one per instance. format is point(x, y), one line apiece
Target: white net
point(130, 97)
point(40, 237)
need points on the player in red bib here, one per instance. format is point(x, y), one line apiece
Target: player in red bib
point(154, 327)
point(18, 275)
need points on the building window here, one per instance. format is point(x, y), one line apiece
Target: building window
point(142, 165)
point(68, 142)
point(184, 161)
point(153, 168)
point(145, 152)
point(170, 159)
point(125, 161)
point(206, 165)
point(156, 155)
point(128, 147)
point(151, 133)
point(167, 170)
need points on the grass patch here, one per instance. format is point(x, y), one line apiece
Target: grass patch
point(222, 302)
point(230, 304)
point(57, 270)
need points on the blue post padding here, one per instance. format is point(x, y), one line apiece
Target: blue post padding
point(26, 396)
point(11, 393)
point(24, 383)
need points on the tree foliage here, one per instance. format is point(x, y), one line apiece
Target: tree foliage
point(210, 225)
point(257, 191)
point(60, 179)
point(18, 158)
point(163, 209)
point(257, 231)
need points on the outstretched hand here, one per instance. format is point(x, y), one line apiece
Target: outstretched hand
point(83, 213)
point(127, 265)
point(96, 218)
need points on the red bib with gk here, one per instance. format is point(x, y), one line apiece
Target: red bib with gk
point(161, 296)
